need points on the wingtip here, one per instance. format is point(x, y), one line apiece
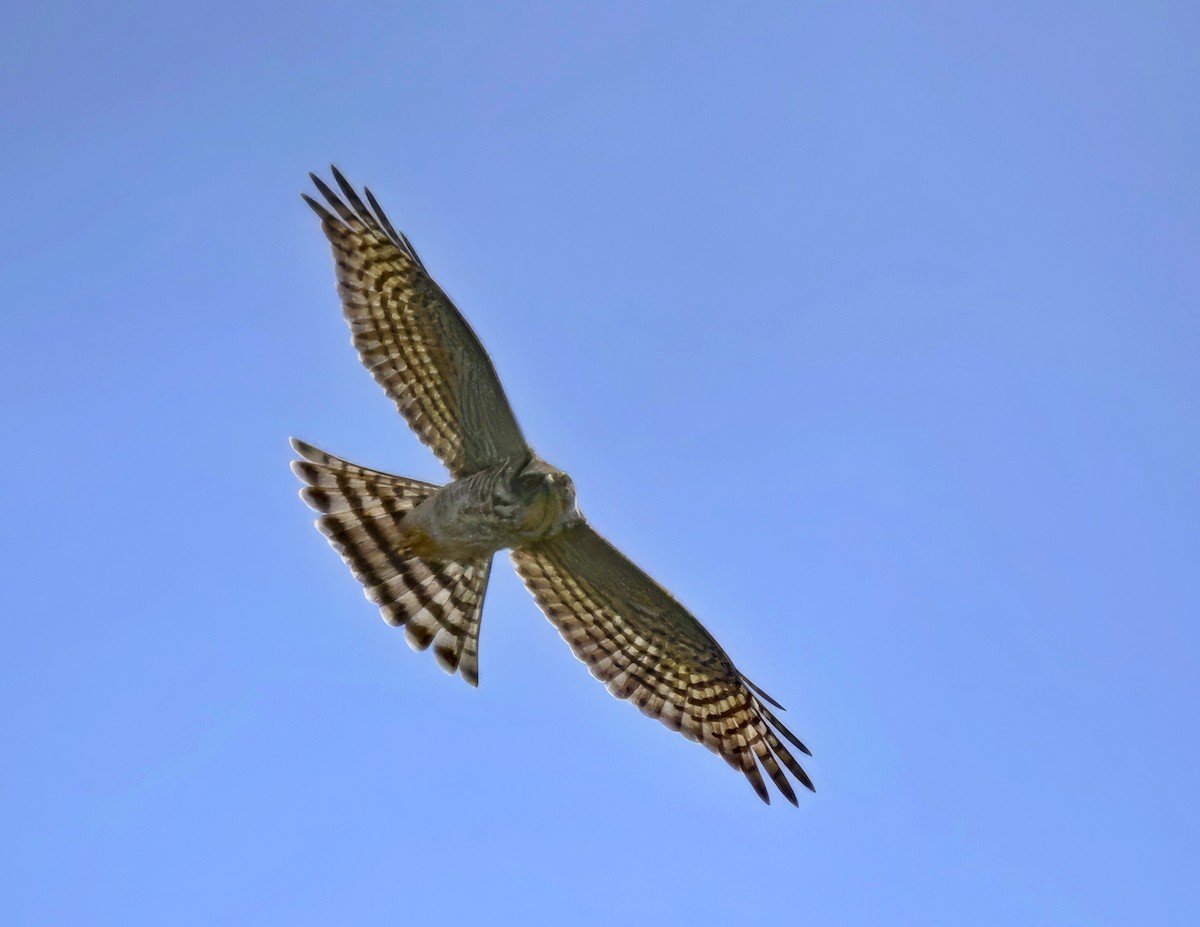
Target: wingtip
point(327, 218)
point(756, 782)
point(326, 190)
point(761, 694)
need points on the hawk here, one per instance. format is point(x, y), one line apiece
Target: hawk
point(423, 552)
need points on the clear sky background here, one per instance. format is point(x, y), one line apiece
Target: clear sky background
point(870, 330)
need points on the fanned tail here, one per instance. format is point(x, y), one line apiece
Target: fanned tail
point(362, 515)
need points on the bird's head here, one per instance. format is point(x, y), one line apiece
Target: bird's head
point(550, 496)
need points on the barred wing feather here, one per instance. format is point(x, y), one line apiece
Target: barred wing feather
point(414, 341)
point(648, 648)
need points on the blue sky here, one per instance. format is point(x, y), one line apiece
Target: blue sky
point(870, 330)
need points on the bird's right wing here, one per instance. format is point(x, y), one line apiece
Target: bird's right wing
point(414, 341)
point(648, 648)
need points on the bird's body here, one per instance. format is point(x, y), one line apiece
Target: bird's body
point(424, 552)
point(505, 506)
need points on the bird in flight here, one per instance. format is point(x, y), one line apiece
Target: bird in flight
point(423, 552)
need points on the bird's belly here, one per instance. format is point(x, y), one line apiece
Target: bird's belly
point(459, 539)
point(460, 533)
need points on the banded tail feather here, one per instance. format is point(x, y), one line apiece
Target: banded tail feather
point(439, 604)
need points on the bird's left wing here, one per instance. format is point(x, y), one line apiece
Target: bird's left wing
point(648, 648)
point(414, 341)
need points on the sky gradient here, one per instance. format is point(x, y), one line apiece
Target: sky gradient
point(871, 332)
